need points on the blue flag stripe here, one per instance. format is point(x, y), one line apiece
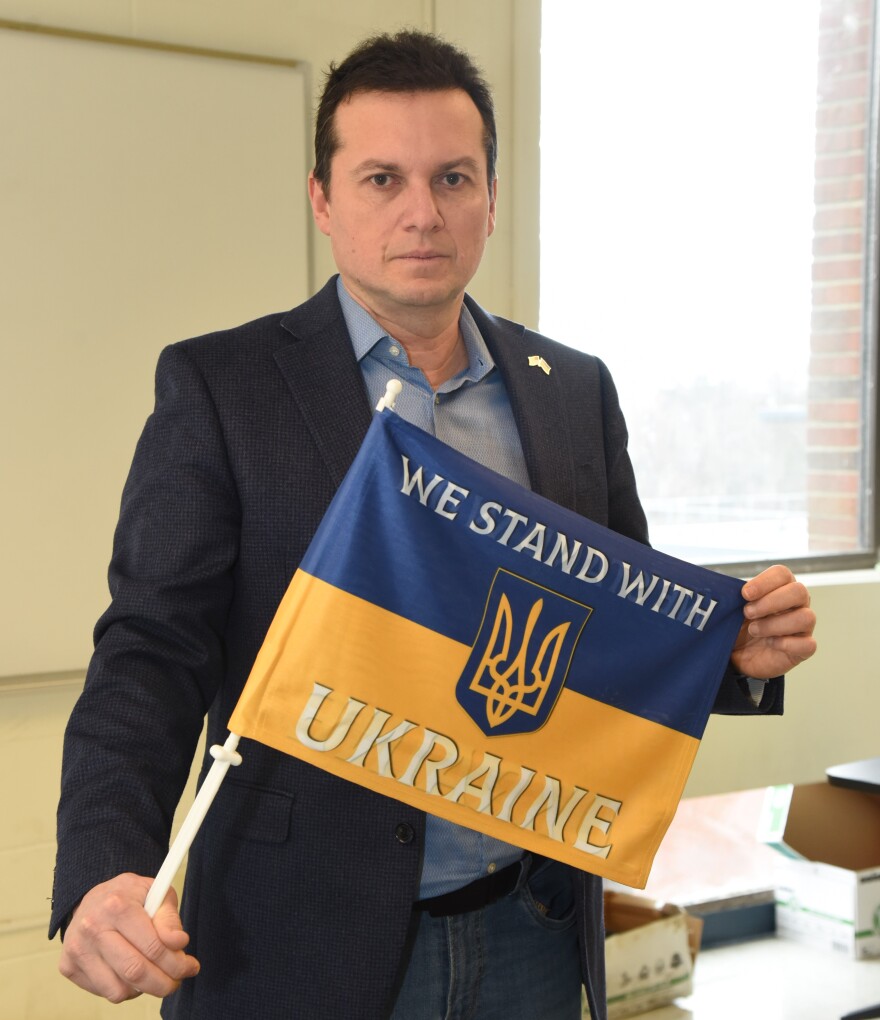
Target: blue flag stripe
point(422, 531)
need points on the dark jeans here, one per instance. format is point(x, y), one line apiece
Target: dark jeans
point(514, 960)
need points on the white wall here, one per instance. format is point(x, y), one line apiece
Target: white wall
point(833, 701)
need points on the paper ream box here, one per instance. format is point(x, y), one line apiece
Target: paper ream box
point(827, 876)
point(650, 953)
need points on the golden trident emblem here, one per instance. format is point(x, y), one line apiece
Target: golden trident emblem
point(509, 684)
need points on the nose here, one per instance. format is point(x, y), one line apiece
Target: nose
point(422, 210)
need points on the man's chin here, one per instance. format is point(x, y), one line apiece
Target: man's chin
point(411, 295)
point(425, 293)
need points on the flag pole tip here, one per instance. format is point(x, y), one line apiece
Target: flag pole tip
point(392, 392)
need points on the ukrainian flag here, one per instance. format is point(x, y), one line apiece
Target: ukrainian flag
point(461, 644)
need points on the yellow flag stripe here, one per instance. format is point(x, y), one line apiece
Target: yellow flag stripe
point(372, 700)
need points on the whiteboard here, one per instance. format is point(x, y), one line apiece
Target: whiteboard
point(147, 194)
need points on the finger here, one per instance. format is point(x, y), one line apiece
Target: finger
point(146, 965)
point(144, 958)
point(168, 924)
point(773, 657)
point(793, 622)
point(93, 975)
point(795, 647)
point(161, 939)
point(762, 584)
point(789, 597)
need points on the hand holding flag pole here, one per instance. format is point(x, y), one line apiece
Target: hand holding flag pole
point(224, 756)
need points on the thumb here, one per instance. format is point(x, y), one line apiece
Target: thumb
point(168, 924)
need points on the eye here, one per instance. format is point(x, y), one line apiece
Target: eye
point(453, 178)
point(381, 180)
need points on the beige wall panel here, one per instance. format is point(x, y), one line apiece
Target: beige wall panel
point(145, 196)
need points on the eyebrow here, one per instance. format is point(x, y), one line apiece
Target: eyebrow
point(381, 166)
point(375, 166)
point(464, 163)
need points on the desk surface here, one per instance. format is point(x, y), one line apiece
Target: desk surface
point(775, 979)
point(858, 775)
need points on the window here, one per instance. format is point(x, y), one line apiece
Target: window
point(707, 229)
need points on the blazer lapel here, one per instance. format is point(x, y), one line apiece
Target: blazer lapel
point(325, 379)
point(537, 405)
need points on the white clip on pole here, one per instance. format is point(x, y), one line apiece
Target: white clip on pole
point(223, 757)
point(392, 392)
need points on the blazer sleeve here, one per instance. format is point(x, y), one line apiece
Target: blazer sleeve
point(159, 648)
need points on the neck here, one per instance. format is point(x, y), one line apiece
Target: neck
point(433, 343)
point(439, 356)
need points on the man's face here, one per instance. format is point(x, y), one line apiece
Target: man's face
point(410, 207)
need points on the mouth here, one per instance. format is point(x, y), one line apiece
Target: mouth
point(422, 256)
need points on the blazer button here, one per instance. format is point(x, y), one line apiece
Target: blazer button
point(404, 833)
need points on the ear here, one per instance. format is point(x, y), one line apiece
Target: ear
point(320, 204)
point(493, 198)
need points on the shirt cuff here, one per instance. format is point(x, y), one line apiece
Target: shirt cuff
point(756, 689)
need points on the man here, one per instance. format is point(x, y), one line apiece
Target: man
point(306, 896)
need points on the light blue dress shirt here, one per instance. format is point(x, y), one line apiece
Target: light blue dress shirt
point(470, 412)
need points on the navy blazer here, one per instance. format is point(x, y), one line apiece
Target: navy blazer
point(299, 886)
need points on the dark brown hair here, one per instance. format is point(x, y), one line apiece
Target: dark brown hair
point(408, 61)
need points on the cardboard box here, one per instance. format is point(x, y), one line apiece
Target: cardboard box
point(827, 875)
point(650, 951)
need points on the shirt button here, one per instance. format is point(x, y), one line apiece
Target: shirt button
point(492, 867)
point(404, 833)
point(394, 351)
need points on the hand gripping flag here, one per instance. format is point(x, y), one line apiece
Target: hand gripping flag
point(461, 644)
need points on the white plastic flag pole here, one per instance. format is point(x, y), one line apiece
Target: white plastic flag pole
point(392, 392)
point(223, 757)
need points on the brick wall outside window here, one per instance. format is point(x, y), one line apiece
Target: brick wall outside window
point(834, 438)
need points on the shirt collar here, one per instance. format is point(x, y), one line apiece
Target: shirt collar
point(365, 333)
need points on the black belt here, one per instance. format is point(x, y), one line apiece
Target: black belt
point(480, 893)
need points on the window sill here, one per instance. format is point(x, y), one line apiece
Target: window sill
point(828, 578)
